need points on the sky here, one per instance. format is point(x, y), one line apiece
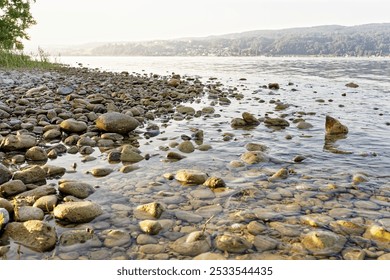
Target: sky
point(73, 22)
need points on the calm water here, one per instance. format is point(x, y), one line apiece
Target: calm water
point(317, 88)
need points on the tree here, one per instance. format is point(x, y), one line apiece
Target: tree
point(15, 18)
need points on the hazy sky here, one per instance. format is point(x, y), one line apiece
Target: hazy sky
point(81, 21)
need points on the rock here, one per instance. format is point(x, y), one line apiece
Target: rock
point(188, 216)
point(33, 195)
point(77, 212)
point(278, 122)
point(154, 209)
point(54, 171)
point(36, 235)
point(36, 154)
point(304, 125)
point(186, 147)
point(232, 244)
point(173, 82)
point(4, 203)
point(31, 175)
point(175, 156)
point(129, 155)
point(150, 227)
point(209, 256)
point(64, 90)
point(208, 110)
point(210, 210)
point(334, 127)
point(254, 157)
point(73, 126)
point(384, 257)
point(77, 237)
point(256, 228)
point(323, 243)
point(116, 123)
point(274, 86)
point(254, 147)
point(347, 227)
point(193, 244)
point(204, 147)
point(236, 164)
point(238, 122)
point(101, 171)
point(264, 243)
point(189, 176)
point(52, 134)
point(250, 119)
point(352, 85)
point(128, 168)
point(117, 238)
point(281, 174)
point(186, 110)
point(299, 158)
point(353, 254)
point(214, 182)
point(46, 203)
point(359, 178)
point(4, 217)
point(27, 213)
point(76, 189)
point(5, 174)
point(17, 142)
point(377, 233)
point(12, 188)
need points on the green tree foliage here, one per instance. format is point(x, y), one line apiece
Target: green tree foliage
point(15, 19)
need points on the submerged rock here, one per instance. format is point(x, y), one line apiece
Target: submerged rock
point(232, 244)
point(193, 244)
point(253, 157)
point(323, 243)
point(150, 227)
point(190, 176)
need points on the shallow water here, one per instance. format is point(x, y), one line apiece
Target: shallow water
point(318, 89)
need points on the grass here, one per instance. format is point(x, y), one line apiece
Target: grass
point(14, 60)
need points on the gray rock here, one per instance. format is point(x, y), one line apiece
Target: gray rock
point(27, 213)
point(116, 123)
point(304, 125)
point(188, 216)
point(4, 203)
point(46, 203)
point(36, 235)
point(210, 210)
point(323, 243)
point(175, 156)
point(256, 228)
point(186, 110)
point(54, 171)
point(238, 122)
point(12, 188)
point(5, 174)
point(192, 244)
point(4, 217)
point(65, 90)
point(77, 212)
point(33, 195)
point(232, 244)
point(250, 119)
point(209, 256)
point(186, 147)
point(264, 243)
point(52, 134)
point(31, 175)
point(36, 154)
point(78, 237)
point(77, 189)
point(189, 176)
point(17, 142)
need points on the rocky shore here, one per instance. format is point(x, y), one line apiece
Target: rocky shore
point(49, 208)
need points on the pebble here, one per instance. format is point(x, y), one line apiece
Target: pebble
point(190, 176)
point(264, 243)
point(27, 213)
point(192, 244)
point(186, 147)
point(153, 209)
point(46, 203)
point(150, 227)
point(12, 188)
point(77, 212)
point(117, 238)
point(31, 175)
point(232, 244)
point(253, 157)
point(114, 122)
point(214, 182)
point(188, 216)
point(77, 189)
point(209, 211)
point(323, 243)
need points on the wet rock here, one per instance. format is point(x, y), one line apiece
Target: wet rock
point(193, 244)
point(209, 256)
point(77, 212)
point(186, 110)
point(264, 243)
point(77, 237)
point(101, 171)
point(33, 174)
point(232, 244)
point(117, 238)
point(4, 203)
point(256, 228)
point(359, 178)
point(250, 119)
point(281, 174)
point(129, 155)
point(352, 85)
point(186, 147)
point(236, 164)
point(36, 235)
point(64, 90)
point(154, 209)
point(323, 243)
point(190, 176)
point(210, 210)
point(54, 171)
point(252, 157)
point(144, 239)
point(150, 227)
point(5, 174)
point(128, 168)
point(77, 189)
point(384, 257)
point(299, 158)
point(175, 156)
point(73, 126)
point(286, 229)
point(33, 195)
point(27, 213)
point(377, 233)
point(204, 147)
point(17, 142)
point(52, 134)
point(277, 122)
point(116, 123)
point(188, 216)
point(353, 254)
point(173, 82)
point(274, 86)
point(36, 154)
point(12, 188)
point(46, 203)
point(214, 182)
point(304, 125)
point(334, 127)
point(253, 147)
point(238, 122)
point(4, 217)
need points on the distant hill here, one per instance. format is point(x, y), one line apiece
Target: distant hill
point(330, 40)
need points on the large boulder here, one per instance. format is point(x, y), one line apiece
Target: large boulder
point(17, 142)
point(36, 235)
point(116, 123)
point(77, 212)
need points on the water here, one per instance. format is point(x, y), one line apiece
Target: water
point(313, 88)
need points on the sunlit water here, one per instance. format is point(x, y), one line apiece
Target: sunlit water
point(319, 90)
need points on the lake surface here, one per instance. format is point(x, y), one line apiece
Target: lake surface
point(321, 188)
